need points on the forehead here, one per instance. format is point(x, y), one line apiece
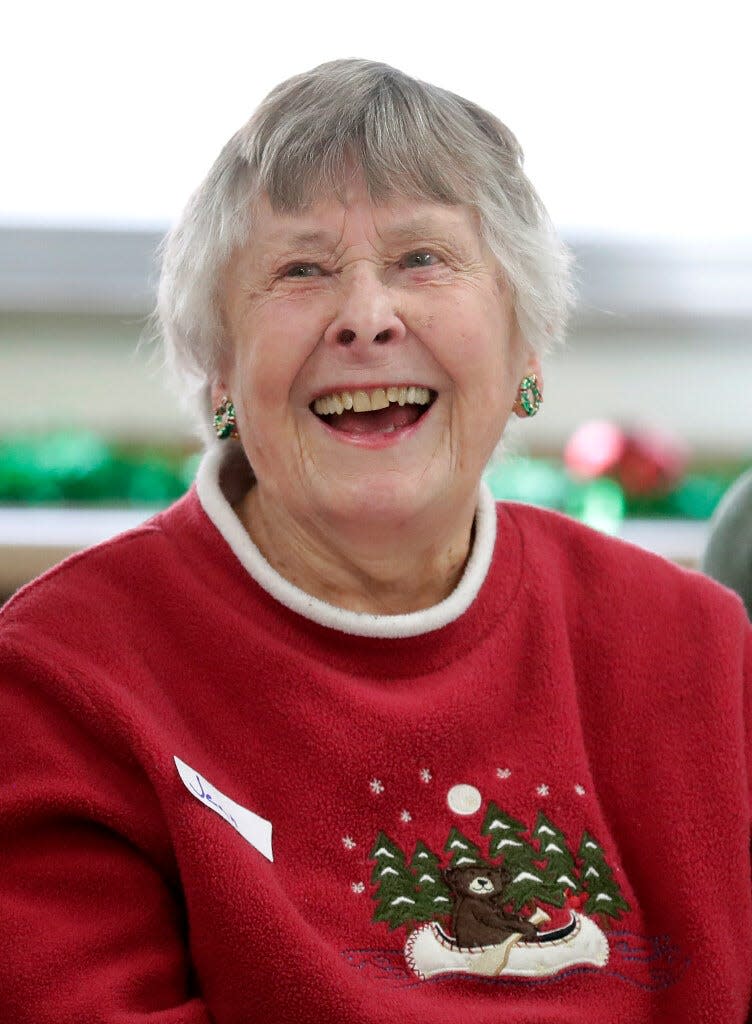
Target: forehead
point(334, 220)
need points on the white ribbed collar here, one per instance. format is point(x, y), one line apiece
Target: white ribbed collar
point(220, 512)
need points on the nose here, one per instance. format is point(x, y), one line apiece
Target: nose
point(366, 313)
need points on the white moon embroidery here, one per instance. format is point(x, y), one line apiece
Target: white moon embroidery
point(464, 799)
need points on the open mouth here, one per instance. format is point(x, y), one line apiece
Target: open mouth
point(376, 411)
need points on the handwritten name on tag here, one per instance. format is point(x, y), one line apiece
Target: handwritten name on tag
point(255, 830)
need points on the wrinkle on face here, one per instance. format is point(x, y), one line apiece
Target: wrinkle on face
point(358, 245)
point(376, 244)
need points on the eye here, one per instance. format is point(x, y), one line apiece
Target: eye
point(303, 270)
point(419, 258)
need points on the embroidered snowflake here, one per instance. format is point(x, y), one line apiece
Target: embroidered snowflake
point(542, 790)
point(405, 817)
point(579, 790)
point(348, 842)
point(425, 775)
point(503, 773)
point(358, 887)
point(377, 786)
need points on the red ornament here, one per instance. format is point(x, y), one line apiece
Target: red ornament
point(644, 461)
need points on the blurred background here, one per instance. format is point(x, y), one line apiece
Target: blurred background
point(634, 124)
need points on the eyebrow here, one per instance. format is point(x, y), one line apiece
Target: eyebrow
point(316, 240)
point(418, 227)
point(307, 239)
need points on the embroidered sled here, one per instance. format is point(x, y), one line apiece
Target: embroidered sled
point(429, 951)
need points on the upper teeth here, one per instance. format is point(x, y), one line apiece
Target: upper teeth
point(370, 401)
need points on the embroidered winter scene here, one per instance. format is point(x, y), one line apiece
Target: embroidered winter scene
point(515, 902)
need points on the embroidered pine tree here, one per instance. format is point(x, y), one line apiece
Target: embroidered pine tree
point(463, 851)
point(525, 878)
point(597, 879)
point(396, 895)
point(432, 896)
point(505, 832)
point(560, 872)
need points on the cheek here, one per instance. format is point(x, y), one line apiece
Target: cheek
point(476, 344)
point(480, 366)
point(266, 366)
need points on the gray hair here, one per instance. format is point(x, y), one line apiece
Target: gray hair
point(409, 139)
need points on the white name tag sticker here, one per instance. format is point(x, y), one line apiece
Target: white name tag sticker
point(255, 830)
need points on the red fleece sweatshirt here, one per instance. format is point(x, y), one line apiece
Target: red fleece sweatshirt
point(215, 809)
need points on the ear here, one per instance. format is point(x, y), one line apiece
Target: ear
point(218, 392)
point(449, 875)
point(534, 366)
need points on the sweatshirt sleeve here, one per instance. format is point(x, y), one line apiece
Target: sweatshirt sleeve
point(93, 926)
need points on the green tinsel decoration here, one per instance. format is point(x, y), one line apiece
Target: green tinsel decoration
point(84, 469)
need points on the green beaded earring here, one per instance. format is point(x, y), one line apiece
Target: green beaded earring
point(225, 424)
point(529, 395)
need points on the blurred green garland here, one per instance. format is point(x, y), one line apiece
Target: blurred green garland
point(602, 502)
point(78, 468)
point(81, 468)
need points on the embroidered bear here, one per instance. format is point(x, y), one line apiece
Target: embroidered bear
point(479, 918)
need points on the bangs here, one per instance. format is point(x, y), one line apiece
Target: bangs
point(403, 144)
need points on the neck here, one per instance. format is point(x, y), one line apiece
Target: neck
point(389, 572)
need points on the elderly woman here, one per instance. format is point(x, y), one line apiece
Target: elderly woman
point(335, 739)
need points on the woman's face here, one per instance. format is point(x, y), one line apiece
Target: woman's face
point(349, 297)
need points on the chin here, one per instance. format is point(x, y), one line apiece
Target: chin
point(387, 498)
